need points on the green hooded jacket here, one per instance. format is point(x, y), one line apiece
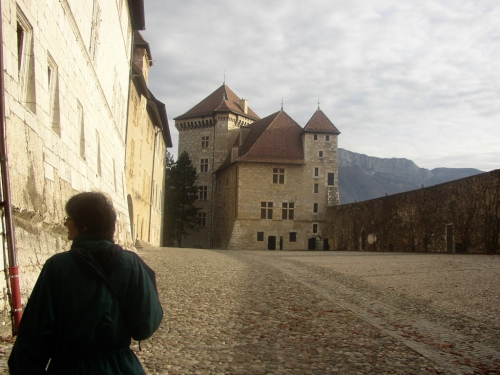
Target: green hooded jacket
point(85, 307)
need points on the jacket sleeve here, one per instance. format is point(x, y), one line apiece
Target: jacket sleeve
point(144, 312)
point(31, 350)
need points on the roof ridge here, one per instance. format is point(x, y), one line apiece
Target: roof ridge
point(213, 101)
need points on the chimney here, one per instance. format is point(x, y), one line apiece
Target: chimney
point(243, 103)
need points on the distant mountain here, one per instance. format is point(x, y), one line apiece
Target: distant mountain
point(363, 177)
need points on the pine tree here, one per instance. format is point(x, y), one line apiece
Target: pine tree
point(181, 192)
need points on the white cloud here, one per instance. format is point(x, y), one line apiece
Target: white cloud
point(409, 79)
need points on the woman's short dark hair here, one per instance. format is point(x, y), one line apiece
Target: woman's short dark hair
point(93, 211)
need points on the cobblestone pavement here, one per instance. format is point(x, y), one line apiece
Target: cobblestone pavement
point(260, 312)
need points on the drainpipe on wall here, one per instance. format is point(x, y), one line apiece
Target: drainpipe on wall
point(15, 299)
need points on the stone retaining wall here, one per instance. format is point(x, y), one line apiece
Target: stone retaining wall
point(458, 216)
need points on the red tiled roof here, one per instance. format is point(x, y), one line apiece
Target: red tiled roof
point(221, 100)
point(274, 139)
point(319, 123)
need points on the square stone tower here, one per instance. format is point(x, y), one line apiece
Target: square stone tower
point(207, 132)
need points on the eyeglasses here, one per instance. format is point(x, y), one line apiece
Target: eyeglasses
point(67, 218)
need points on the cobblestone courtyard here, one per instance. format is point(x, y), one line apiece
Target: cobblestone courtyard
point(263, 312)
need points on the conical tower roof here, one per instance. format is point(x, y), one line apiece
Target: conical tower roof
point(221, 100)
point(319, 123)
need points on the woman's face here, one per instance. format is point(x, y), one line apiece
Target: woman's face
point(70, 226)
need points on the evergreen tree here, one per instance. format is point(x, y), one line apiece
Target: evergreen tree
point(181, 192)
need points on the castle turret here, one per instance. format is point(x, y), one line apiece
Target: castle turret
point(320, 153)
point(207, 133)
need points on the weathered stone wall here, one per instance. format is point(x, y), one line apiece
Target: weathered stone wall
point(226, 197)
point(191, 132)
point(145, 146)
point(458, 216)
point(244, 186)
point(65, 102)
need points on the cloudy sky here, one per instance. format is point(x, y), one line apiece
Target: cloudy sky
point(415, 79)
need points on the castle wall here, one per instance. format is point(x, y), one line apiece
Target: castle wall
point(196, 137)
point(245, 186)
point(141, 151)
point(458, 216)
point(65, 97)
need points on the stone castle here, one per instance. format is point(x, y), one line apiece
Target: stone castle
point(263, 183)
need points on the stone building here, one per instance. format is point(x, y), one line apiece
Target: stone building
point(264, 183)
point(66, 70)
point(208, 145)
point(148, 136)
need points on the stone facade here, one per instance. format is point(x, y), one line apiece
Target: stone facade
point(148, 136)
point(291, 170)
point(196, 136)
point(66, 71)
point(458, 216)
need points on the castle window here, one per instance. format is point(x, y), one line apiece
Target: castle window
point(320, 154)
point(315, 208)
point(315, 228)
point(327, 138)
point(81, 125)
point(316, 188)
point(316, 171)
point(331, 178)
point(293, 236)
point(278, 175)
point(287, 211)
point(25, 62)
point(53, 84)
point(99, 170)
point(260, 236)
point(204, 142)
point(202, 219)
point(203, 192)
point(266, 210)
point(204, 165)
point(315, 137)
point(94, 30)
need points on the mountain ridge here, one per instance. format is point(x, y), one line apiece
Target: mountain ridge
point(363, 177)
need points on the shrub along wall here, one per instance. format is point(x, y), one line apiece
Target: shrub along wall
point(458, 216)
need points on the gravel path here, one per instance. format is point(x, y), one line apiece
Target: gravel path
point(260, 312)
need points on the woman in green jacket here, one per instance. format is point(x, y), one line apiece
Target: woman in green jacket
point(88, 302)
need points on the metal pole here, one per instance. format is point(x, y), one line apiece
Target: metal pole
point(16, 305)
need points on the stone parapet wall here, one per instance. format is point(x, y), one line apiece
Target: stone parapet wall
point(458, 216)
